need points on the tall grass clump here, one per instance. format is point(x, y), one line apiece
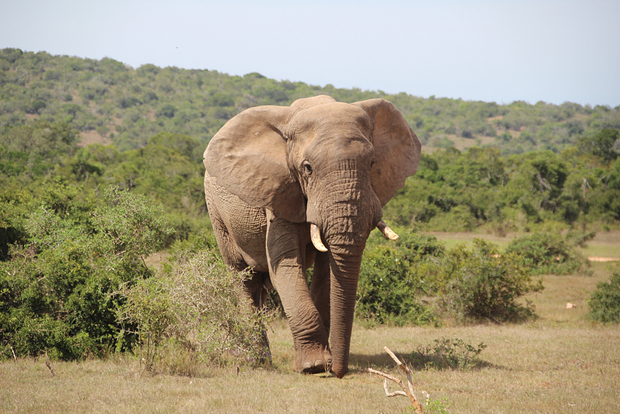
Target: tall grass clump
point(195, 311)
point(604, 303)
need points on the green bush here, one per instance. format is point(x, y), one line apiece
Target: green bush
point(481, 285)
point(57, 292)
point(391, 284)
point(550, 253)
point(416, 279)
point(194, 311)
point(604, 303)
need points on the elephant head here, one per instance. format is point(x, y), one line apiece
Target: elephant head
point(330, 165)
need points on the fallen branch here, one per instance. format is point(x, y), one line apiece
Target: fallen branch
point(407, 391)
point(49, 366)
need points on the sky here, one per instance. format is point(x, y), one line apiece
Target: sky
point(482, 50)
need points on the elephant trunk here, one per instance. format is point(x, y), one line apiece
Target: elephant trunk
point(344, 273)
point(342, 215)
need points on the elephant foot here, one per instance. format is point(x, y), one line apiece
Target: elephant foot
point(313, 360)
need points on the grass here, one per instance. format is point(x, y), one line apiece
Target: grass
point(604, 244)
point(559, 363)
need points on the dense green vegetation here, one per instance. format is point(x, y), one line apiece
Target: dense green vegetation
point(463, 191)
point(58, 291)
point(78, 221)
point(417, 280)
point(107, 100)
point(604, 304)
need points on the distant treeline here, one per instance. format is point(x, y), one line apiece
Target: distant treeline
point(159, 121)
point(108, 101)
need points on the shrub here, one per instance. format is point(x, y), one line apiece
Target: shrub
point(391, 284)
point(604, 303)
point(388, 291)
point(481, 285)
point(57, 291)
point(549, 253)
point(194, 311)
point(417, 246)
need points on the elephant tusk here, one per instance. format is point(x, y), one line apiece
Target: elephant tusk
point(315, 236)
point(387, 231)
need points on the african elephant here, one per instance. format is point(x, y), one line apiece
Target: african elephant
point(287, 187)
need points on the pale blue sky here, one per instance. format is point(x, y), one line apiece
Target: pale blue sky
point(489, 50)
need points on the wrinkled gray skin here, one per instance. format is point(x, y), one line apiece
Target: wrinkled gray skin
point(272, 171)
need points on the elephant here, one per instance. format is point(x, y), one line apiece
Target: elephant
point(288, 187)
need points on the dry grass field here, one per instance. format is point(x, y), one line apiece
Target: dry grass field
point(604, 244)
point(560, 363)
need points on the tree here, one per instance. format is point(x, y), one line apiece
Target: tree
point(604, 144)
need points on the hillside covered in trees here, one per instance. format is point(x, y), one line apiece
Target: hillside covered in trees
point(109, 102)
point(519, 165)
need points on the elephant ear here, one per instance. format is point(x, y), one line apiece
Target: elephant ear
point(397, 148)
point(248, 157)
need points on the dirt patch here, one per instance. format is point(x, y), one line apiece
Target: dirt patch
point(150, 114)
point(93, 137)
point(603, 259)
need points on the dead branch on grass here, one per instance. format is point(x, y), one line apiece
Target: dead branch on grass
point(407, 391)
point(49, 366)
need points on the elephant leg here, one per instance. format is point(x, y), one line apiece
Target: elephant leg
point(319, 287)
point(226, 243)
point(288, 277)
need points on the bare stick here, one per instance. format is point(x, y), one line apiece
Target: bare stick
point(407, 391)
point(13, 351)
point(404, 368)
point(49, 366)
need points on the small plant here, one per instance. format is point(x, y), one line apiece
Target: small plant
point(604, 303)
point(437, 406)
point(447, 353)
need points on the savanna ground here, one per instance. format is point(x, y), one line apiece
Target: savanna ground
point(559, 363)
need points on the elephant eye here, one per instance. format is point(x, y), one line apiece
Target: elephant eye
point(307, 168)
point(372, 163)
